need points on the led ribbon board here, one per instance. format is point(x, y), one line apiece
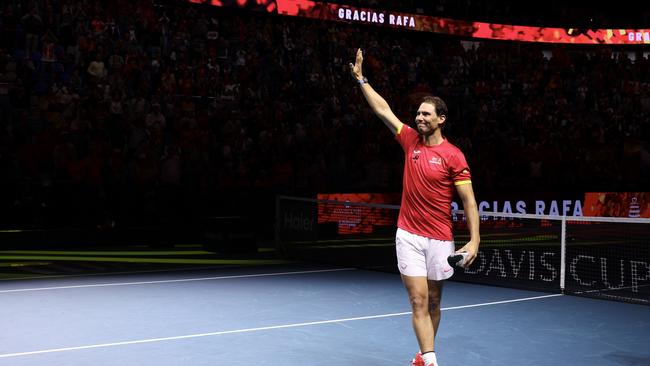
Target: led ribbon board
point(424, 23)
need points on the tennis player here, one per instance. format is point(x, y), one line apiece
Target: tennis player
point(434, 170)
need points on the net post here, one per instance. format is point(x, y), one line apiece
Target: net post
point(563, 254)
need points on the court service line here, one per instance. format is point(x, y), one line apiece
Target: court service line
point(174, 281)
point(247, 330)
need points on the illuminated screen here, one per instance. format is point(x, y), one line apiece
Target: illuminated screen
point(507, 32)
point(355, 219)
point(617, 204)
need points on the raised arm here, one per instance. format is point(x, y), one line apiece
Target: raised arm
point(376, 102)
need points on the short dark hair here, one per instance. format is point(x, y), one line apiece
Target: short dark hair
point(438, 103)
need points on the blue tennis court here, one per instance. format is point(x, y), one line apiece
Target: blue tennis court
point(296, 315)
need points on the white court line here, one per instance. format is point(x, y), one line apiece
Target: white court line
point(164, 270)
point(172, 281)
point(501, 302)
point(7, 355)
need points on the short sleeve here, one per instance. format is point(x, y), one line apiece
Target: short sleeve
point(406, 136)
point(459, 169)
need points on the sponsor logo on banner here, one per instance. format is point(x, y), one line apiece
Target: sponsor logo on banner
point(585, 271)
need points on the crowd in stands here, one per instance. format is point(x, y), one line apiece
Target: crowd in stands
point(119, 110)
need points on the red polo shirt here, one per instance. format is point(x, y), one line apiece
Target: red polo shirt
point(430, 176)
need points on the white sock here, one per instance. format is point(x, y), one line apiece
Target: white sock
point(430, 359)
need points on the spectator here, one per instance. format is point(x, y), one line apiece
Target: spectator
point(212, 105)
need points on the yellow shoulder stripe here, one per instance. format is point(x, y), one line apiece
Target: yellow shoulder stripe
point(461, 182)
point(399, 129)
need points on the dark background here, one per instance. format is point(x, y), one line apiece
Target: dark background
point(120, 115)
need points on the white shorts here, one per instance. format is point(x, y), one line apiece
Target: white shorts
point(423, 257)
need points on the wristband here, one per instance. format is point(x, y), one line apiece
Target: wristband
point(362, 81)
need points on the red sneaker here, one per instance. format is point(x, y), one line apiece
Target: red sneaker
point(418, 361)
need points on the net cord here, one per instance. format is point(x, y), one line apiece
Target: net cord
point(626, 220)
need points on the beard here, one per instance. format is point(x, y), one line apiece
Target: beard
point(428, 130)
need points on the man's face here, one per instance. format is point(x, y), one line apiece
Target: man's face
point(426, 119)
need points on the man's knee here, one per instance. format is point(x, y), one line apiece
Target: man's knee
point(419, 302)
point(434, 305)
point(434, 300)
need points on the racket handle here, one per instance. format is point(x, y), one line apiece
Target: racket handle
point(457, 259)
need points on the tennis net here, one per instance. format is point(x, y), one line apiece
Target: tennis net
point(600, 257)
